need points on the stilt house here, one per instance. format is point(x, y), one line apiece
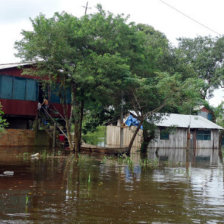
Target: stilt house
point(20, 94)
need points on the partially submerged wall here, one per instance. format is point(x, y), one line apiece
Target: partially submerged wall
point(23, 137)
point(177, 139)
point(113, 136)
point(213, 143)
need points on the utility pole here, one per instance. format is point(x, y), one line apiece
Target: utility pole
point(86, 8)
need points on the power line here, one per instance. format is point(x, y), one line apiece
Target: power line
point(194, 20)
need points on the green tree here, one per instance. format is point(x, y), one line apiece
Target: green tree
point(159, 82)
point(204, 55)
point(89, 56)
point(100, 58)
point(3, 121)
point(153, 94)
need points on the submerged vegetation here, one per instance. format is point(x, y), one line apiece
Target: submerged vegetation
point(126, 160)
point(44, 154)
point(81, 159)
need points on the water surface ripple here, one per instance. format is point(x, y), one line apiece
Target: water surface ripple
point(96, 189)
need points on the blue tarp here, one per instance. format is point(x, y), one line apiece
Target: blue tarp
point(131, 121)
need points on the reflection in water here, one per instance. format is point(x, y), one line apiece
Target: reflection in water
point(206, 156)
point(103, 190)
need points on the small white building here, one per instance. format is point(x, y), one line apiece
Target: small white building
point(173, 128)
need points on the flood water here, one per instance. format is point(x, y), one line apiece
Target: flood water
point(169, 186)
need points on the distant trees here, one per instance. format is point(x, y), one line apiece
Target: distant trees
point(205, 57)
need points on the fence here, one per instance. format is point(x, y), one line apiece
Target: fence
point(113, 136)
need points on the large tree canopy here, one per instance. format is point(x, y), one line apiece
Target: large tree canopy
point(90, 56)
point(102, 58)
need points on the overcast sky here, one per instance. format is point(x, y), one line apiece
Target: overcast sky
point(172, 17)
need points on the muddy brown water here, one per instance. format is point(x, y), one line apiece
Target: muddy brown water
point(178, 188)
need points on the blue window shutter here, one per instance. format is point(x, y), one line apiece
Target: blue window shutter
point(31, 90)
point(19, 88)
point(55, 94)
point(68, 96)
point(6, 87)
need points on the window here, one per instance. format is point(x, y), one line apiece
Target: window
point(164, 134)
point(6, 87)
point(31, 90)
point(203, 135)
point(55, 95)
point(19, 88)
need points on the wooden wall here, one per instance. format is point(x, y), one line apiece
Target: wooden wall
point(113, 136)
point(213, 143)
point(178, 139)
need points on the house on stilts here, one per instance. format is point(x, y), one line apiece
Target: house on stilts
point(19, 98)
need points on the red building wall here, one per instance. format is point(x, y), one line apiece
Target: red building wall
point(21, 107)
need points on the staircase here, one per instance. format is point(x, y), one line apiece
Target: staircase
point(53, 126)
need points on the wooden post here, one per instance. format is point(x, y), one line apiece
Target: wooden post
point(121, 133)
point(195, 141)
point(188, 137)
point(54, 136)
point(121, 122)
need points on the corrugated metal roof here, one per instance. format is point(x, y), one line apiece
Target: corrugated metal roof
point(183, 121)
point(12, 65)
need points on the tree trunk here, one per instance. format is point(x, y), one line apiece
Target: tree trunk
point(146, 139)
point(67, 125)
point(221, 134)
point(80, 124)
point(65, 107)
point(77, 137)
point(133, 137)
point(78, 131)
point(78, 117)
point(78, 127)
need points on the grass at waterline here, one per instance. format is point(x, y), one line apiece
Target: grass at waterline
point(82, 159)
point(39, 155)
point(126, 160)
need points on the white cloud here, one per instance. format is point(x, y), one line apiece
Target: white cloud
point(16, 10)
point(218, 97)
